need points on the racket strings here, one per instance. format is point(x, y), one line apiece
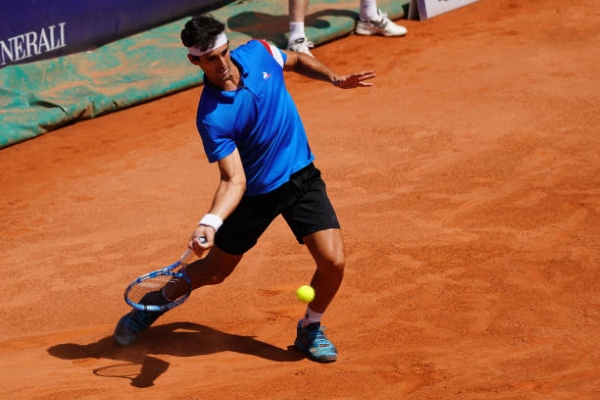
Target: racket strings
point(149, 291)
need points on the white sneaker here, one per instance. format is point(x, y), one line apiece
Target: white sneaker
point(384, 27)
point(301, 45)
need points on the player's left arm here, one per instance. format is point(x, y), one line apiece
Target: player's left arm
point(314, 69)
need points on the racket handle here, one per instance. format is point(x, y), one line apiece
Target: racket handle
point(189, 254)
point(187, 257)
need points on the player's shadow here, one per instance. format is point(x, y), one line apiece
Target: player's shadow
point(139, 363)
point(275, 27)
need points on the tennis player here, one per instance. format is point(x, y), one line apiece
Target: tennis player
point(251, 129)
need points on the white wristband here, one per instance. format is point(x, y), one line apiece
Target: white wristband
point(212, 220)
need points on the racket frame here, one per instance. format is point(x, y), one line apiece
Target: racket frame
point(168, 271)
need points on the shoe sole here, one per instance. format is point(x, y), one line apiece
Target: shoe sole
point(369, 33)
point(324, 360)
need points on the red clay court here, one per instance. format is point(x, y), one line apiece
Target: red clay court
point(467, 181)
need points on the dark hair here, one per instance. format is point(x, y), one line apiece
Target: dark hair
point(201, 32)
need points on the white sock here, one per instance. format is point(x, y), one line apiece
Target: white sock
point(368, 10)
point(310, 317)
point(296, 31)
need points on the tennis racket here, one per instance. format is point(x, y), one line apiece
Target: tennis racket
point(145, 292)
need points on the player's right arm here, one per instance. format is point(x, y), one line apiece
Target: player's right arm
point(232, 185)
point(231, 188)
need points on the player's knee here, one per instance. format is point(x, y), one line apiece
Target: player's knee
point(334, 266)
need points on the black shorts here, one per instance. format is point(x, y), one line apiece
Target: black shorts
point(302, 202)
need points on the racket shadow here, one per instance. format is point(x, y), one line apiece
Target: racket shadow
point(140, 374)
point(140, 363)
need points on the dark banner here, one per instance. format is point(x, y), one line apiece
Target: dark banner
point(32, 30)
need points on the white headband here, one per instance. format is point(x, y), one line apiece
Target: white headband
point(220, 40)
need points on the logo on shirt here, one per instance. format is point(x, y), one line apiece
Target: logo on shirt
point(266, 75)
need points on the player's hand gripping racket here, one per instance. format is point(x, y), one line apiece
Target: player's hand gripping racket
point(145, 292)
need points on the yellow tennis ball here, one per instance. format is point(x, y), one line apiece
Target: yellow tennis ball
point(305, 293)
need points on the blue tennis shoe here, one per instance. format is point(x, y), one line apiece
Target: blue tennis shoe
point(312, 341)
point(136, 322)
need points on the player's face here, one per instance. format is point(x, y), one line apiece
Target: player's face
point(217, 65)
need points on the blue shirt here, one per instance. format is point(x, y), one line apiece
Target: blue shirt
point(259, 118)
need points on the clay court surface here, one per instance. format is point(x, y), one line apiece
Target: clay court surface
point(467, 181)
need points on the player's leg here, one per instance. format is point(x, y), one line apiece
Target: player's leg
point(297, 10)
point(297, 40)
point(213, 269)
point(314, 222)
point(327, 248)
